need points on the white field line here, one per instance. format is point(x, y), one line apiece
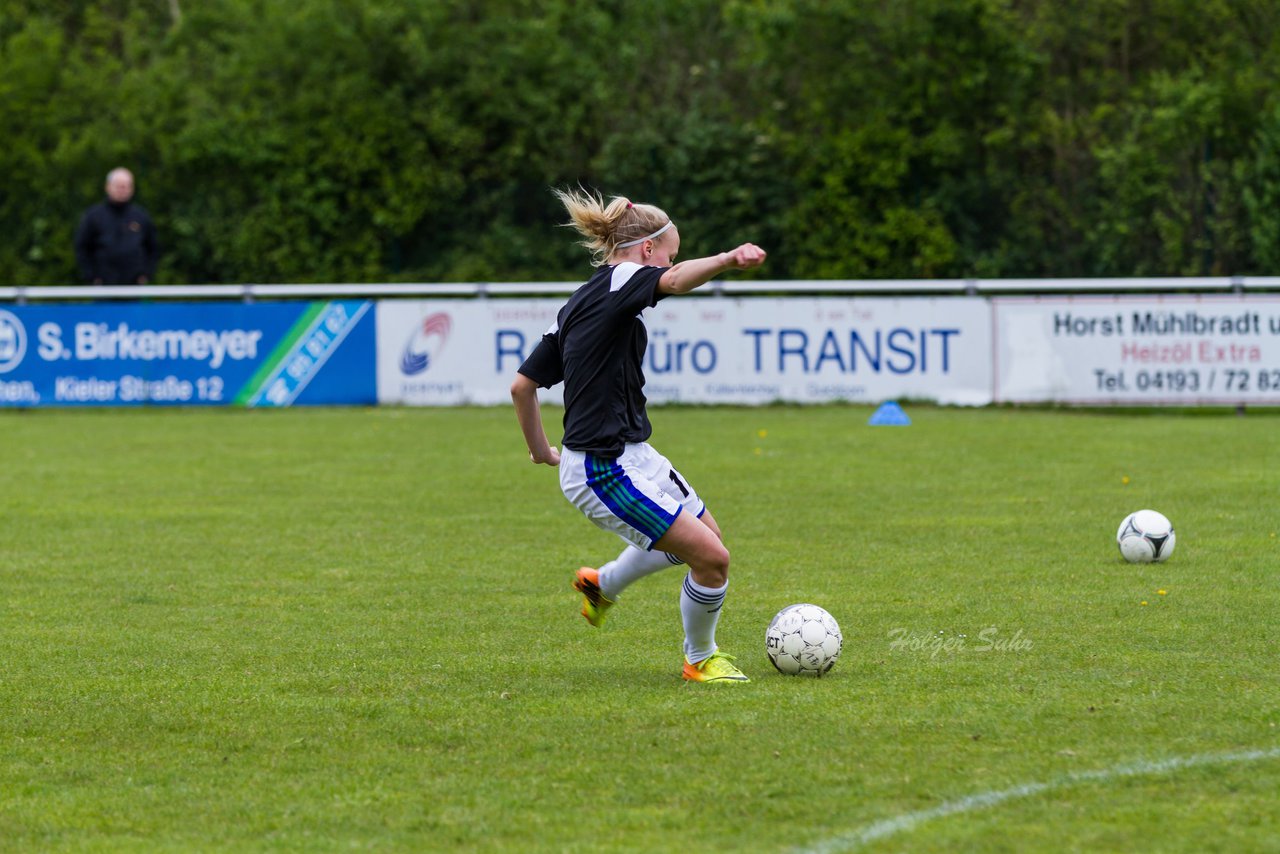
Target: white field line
point(969, 803)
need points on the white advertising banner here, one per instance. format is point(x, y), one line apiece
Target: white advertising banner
point(1138, 350)
point(705, 349)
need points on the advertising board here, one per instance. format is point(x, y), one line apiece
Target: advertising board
point(189, 354)
point(1138, 350)
point(745, 350)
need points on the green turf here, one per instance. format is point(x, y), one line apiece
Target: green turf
point(335, 629)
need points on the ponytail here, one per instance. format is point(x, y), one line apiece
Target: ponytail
point(605, 228)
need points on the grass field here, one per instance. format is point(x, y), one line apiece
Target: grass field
point(353, 629)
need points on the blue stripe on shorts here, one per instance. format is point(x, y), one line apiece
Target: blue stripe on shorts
point(611, 485)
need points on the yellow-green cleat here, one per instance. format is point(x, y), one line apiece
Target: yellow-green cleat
point(719, 667)
point(595, 605)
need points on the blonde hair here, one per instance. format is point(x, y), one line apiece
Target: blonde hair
point(604, 227)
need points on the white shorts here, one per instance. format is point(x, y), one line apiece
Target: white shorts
point(636, 496)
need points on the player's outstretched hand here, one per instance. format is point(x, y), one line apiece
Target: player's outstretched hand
point(747, 255)
point(552, 457)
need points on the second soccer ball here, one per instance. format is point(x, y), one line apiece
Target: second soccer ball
point(1146, 537)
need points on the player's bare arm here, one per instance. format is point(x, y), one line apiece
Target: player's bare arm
point(687, 275)
point(524, 393)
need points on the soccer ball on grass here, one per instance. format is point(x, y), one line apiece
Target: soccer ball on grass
point(803, 639)
point(1146, 537)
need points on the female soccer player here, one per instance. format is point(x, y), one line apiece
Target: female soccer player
point(608, 470)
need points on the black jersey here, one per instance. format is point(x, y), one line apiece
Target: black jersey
point(596, 346)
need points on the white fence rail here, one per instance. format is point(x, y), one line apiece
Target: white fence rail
point(22, 294)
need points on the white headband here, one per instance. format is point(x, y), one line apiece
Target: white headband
point(657, 233)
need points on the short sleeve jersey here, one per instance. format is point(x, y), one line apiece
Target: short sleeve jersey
point(596, 346)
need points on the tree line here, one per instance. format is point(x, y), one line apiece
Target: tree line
point(417, 140)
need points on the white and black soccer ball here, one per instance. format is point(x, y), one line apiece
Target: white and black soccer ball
point(803, 639)
point(1146, 537)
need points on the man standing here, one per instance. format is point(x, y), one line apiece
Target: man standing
point(116, 241)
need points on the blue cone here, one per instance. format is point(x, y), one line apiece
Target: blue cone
point(889, 414)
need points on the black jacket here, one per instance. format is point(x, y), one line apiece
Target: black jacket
point(116, 243)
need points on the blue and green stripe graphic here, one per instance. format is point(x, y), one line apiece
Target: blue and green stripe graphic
point(301, 353)
point(611, 485)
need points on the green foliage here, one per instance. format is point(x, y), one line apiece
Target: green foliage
point(1262, 195)
point(1154, 170)
point(322, 140)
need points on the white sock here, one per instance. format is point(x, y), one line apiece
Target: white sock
point(700, 610)
point(631, 566)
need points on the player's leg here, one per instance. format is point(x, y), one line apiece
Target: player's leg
point(636, 563)
point(635, 496)
point(631, 565)
point(618, 496)
point(701, 597)
point(707, 519)
point(602, 587)
point(696, 543)
point(699, 543)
